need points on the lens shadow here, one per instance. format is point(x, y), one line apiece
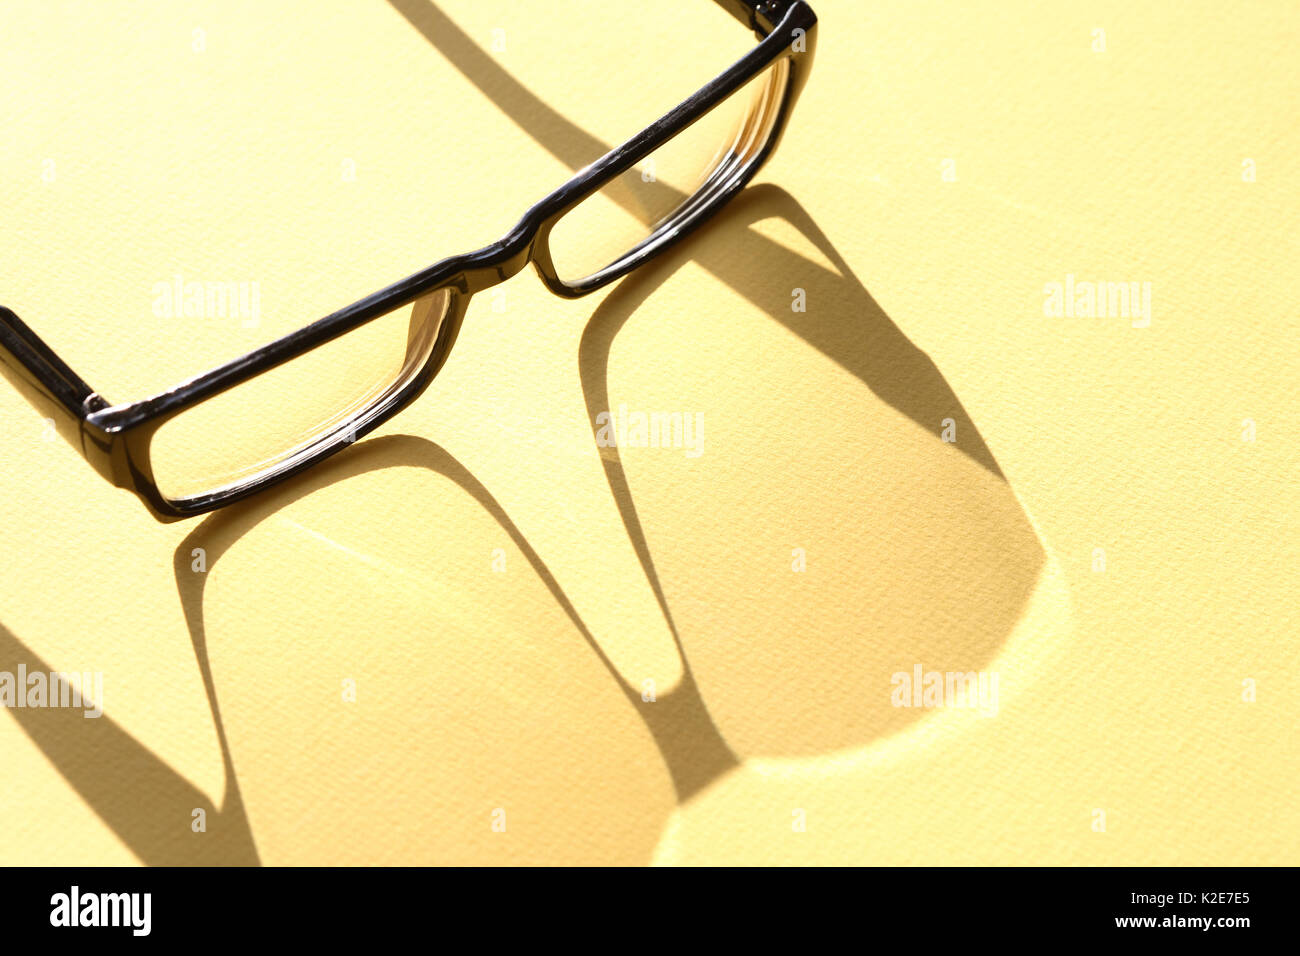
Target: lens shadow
point(554, 718)
point(914, 550)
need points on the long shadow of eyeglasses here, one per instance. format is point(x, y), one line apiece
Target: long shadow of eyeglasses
point(849, 325)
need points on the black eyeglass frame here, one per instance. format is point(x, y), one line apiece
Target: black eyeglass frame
point(116, 439)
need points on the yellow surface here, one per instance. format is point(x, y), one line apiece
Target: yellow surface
point(224, 155)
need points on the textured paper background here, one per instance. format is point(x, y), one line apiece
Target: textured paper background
point(522, 690)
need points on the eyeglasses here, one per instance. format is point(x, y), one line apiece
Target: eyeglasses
point(259, 419)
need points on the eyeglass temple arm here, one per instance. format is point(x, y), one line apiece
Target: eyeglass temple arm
point(44, 379)
point(761, 16)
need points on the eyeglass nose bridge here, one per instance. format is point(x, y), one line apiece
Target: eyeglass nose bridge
point(527, 244)
point(501, 261)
